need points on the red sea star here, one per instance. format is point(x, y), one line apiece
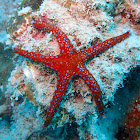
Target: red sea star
point(69, 64)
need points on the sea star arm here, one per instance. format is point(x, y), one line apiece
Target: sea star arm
point(63, 40)
point(50, 62)
point(94, 87)
point(97, 49)
point(62, 85)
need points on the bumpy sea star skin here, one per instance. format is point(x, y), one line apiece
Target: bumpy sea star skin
point(68, 64)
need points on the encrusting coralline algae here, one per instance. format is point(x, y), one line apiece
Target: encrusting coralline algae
point(32, 85)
